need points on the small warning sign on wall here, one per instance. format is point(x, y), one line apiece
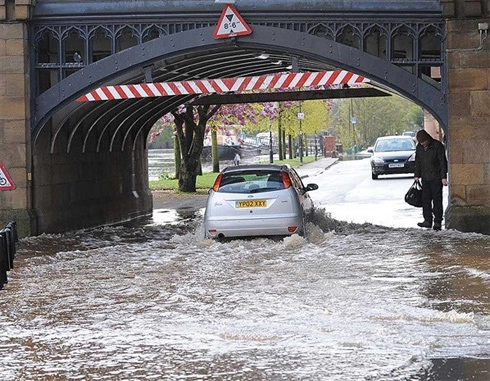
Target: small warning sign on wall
point(6, 182)
point(231, 24)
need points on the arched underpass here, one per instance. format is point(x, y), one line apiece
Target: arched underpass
point(90, 158)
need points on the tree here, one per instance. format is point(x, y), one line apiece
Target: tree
point(229, 115)
point(275, 116)
point(191, 139)
point(161, 135)
point(285, 120)
point(192, 123)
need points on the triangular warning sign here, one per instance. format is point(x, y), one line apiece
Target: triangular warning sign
point(231, 24)
point(6, 182)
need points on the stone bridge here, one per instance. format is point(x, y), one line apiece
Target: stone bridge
point(79, 165)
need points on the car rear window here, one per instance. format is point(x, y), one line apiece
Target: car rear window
point(251, 182)
point(387, 145)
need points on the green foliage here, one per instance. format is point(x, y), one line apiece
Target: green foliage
point(164, 176)
point(161, 135)
point(316, 118)
point(417, 116)
point(375, 117)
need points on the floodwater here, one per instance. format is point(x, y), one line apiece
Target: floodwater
point(157, 301)
point(154, 300)
point(161, 161)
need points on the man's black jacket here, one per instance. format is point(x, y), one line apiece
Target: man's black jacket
point(431, 162)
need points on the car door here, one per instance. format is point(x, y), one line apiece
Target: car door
point(303, 197)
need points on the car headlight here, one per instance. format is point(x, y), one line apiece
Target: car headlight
point(412, 157)
point(378, 160)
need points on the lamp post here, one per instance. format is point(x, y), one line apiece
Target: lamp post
point(301, 116)
point(316, 146)
point(354, 120)
point(271, 151)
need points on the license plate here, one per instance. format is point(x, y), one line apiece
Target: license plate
point(252, 204)
point(396, 165)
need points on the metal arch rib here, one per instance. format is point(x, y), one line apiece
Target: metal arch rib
point(263, 38)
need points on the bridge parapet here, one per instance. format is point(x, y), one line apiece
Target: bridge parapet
point(69, 36)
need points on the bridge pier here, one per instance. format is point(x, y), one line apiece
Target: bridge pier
point(57, 190)
point(74, 190)
point(15, 134)
point(469, 117)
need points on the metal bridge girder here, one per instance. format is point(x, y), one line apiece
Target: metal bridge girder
point(122, 66)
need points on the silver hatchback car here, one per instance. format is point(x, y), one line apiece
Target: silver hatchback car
point(257, 200)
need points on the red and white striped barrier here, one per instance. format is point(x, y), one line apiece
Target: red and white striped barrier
point(225, 85)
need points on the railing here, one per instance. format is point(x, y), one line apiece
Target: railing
point(8, 239)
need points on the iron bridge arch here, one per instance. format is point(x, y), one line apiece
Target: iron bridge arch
point(192, 54)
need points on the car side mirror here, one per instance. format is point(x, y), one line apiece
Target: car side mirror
point(311, 187)
point(370, 150)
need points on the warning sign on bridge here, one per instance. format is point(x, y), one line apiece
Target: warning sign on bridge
point(231, 24)
point(6, 182)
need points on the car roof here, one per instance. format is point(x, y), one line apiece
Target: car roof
point(394, 137)
point(257, 167)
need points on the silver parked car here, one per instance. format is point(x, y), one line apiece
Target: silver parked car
point(257, 200)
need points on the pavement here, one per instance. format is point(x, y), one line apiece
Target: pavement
point(191, 202)
point(316, 167)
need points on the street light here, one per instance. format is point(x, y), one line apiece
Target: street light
point(271, 152)
point(301, 116)
point(316, 146)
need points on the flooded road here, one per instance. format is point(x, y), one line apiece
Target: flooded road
point(154, 300)
point(160, 302)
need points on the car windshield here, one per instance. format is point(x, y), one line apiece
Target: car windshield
point(251, 182)
point(391, 145)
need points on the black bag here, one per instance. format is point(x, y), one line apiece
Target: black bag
point(414, 194)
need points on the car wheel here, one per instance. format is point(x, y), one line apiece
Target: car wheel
point(374, 176)
point(303, 232)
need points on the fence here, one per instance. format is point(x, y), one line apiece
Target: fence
point(8, 239)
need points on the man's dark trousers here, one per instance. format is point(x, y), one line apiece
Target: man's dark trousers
point(432, 200)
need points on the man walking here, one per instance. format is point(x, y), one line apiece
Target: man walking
point(431, 168)
point(236, 159)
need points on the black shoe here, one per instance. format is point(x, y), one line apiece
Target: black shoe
point(437, 226)
point(425, 224)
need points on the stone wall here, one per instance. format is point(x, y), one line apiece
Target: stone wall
point(57, 191)
point(15, 113)
point(469, 115)
point(78, 189)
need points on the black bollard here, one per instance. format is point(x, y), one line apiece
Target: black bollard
point(8, 239)
point(4, 264)
point(10, 247)
point(12, 239)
